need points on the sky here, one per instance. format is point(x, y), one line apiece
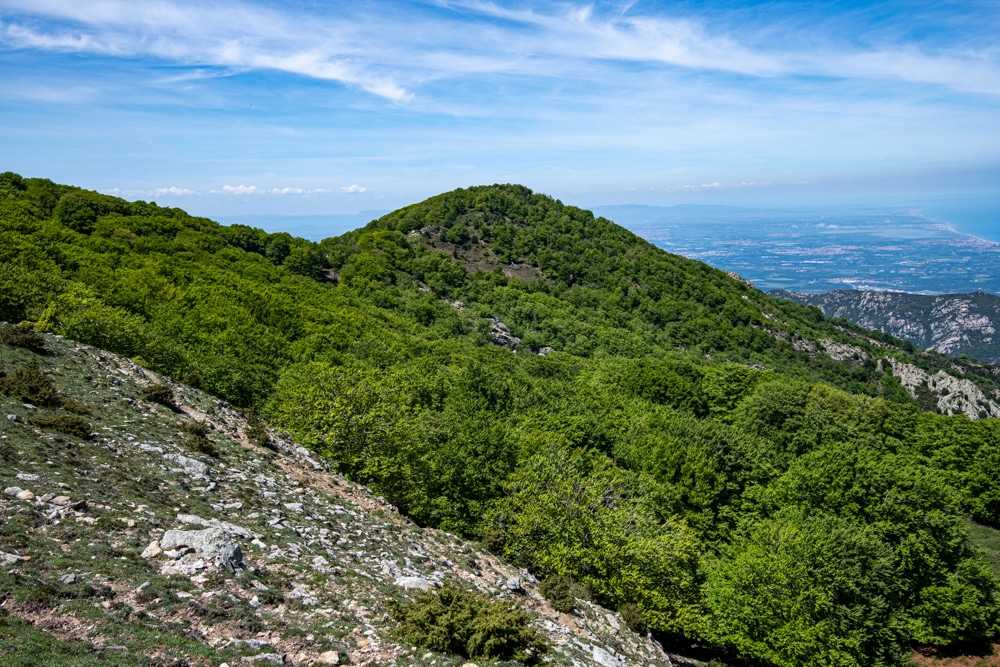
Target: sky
point(306, 107)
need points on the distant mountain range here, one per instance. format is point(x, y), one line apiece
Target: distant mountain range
point(952, 324)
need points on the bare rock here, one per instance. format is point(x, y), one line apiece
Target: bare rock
point(213, 544)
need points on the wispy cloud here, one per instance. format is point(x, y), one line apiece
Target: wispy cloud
point(393, 54)
point(354, 189)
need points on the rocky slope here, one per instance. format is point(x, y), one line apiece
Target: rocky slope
point(951, 324)
point(178, 533)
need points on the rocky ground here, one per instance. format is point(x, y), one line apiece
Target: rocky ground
point(185, 535)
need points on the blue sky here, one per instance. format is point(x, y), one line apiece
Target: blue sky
point(308, 107)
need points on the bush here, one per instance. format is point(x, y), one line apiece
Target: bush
point(198, 439)
point(633, 618)
point(159, 393)
point(30, 384)
point(468, 624)
point(559, 591)
point(18, 336)
point(65, 424)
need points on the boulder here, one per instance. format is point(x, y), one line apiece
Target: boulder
point(212, 544)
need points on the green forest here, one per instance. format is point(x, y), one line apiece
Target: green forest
point(652, 432)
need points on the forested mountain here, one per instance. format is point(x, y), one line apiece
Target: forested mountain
point(955, 324)
point(739, 470)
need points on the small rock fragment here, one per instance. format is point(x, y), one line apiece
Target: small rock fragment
point(329, 658)
point(12, 490)
point(68, 578)
point(153, 550)
point(25, 495)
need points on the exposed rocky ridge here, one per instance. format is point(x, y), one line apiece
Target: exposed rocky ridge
point(146, 551)
point(951, 324)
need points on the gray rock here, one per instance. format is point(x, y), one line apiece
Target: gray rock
point(27, 477)
point(191, 467)
point(213, 544)
point(513, 585)
point(231, 528)
point(10, 559)
point(12, 418)
point(606, 659)
point(68, 578)
point(265, 659)
point(416, 583)
point(252, 644)
point(12, 490)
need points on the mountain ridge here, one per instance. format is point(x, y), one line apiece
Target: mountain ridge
point(952, 324)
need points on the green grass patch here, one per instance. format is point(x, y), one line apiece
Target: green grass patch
point(987, 539)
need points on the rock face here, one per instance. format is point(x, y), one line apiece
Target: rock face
point(954, 395)
point(951, 324)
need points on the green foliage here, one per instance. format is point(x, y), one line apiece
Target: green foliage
point(560, 591)
point(30, 383)
point(804, 590)
point(574, 513)
point(70, 424)
point(678, 451)
point(197, 440)
point(19, 336)
point(159, 393)
point(632, 616)
point(470, 624)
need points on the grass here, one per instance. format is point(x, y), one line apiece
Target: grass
point(987, 539)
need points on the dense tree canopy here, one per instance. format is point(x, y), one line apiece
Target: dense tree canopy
point(672, 450)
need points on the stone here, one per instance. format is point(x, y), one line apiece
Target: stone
point(606, 659)
point(513, 585)
point(329, 658)
point(12, 418)
point(11, 559)
point(27, 477)
point(25, 495)
point(415, 583)
point(12, 490)
point(191, 467)
point(68, 578)
point(214, 544)
point(231, 528)
point(152, 551)
point(62, 501)
point(265, 659)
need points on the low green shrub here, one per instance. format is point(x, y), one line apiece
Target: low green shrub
point(559, 590)
point(18, 336)
point(29, 383)
point(469, 624)
point(633, 618)
point(69, 424)
point(198, 439)
point(159, 393)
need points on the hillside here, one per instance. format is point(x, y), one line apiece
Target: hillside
point(728, 470)
point(953, 324)
point(302, 566)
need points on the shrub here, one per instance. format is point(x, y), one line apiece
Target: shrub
point(159, 393)
point(198, 439)
point(559, 591)
point(18, 336)
point(468, 624)
point(65, 424)
point(29, 383)
point(633, 618)
point(256, 432)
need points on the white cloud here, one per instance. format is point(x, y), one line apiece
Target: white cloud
point(240, 190)
point(287, 191)
point(354, 189)
point(173, 191)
